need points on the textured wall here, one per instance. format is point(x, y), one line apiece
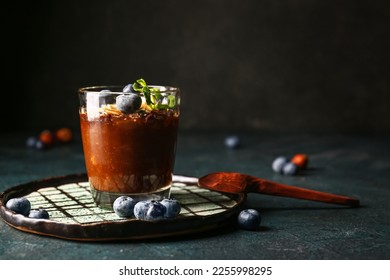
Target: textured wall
point(306, 66)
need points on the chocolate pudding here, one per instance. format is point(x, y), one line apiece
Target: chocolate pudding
point(128, 153)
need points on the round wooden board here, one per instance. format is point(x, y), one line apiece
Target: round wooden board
point(74, 216)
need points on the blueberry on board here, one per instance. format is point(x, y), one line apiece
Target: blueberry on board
point(172, 207)
point(232, 142)
point(128, 103)
point(39, 214)
point(279, 163)
point(141, 208)
point(128, 88)
point(124, 206)
point(249, 219)
point(290, 168)
point(155, 211)
point(19, 205)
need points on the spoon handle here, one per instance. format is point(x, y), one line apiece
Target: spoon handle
point(267, 187)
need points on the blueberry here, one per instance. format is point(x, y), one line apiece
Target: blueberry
point(124, 206)
point(31, 141)
point(172, 207)
point(39, 214)
point(249, 219)
point(128, 103)
point(141, 208)
point(39, 145)
point(290, 168)
point(155, 211)
point(19, 205)
point(232, 142)
point(106, 97)
point(279, 163)
point(128, 88)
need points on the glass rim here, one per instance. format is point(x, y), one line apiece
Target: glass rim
point(98, 89)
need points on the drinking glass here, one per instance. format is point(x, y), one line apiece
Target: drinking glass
point(129, 153)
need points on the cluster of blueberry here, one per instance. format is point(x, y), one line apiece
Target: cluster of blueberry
point(22, 205)
point(290, 167)
point(127, 207)
point(47, 138)
point(150, 210)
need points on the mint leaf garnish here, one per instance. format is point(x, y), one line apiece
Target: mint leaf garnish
point(148, 98)
point(141, 86)
point(171, 101)
point(153, 95)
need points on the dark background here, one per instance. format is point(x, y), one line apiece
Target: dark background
point(281, 66)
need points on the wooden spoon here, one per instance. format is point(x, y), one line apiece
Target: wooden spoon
point(231, 182)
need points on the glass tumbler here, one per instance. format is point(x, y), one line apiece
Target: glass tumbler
point(129, 148)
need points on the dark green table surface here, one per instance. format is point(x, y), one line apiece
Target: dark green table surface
point(354, 165)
